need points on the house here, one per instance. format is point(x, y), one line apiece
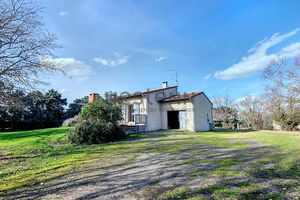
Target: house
point(165, 108)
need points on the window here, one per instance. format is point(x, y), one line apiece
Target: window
point(133, 110)
point(123, 120)
point(130, 113)
point(207, 117)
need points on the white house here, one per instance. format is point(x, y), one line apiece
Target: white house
point(165, 108)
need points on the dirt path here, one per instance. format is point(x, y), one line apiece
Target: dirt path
point(144, 175)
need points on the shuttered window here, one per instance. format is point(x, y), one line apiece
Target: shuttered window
point(123, 120)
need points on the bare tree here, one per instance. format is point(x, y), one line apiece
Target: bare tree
point(224, 111)
point(283, 79)
point(23, 43)
point(252, 111)
point(282, 90)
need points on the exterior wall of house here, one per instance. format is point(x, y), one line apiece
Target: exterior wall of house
point(149, 106)
point(202, 112)
point(184, 105)
point(134, 100)
point(154, 114)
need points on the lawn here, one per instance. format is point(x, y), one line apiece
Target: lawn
point(234, 165)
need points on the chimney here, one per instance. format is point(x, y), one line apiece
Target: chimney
point(93, 97)
point(165, 84)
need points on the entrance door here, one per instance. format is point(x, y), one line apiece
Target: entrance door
point(182, 120)
point(173, 119)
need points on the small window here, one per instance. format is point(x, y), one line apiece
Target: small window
point(130, 113)
point(123, 121)
point(207, 117)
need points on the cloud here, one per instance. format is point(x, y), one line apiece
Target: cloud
point(161, 58)
point(63, 13)
point(71, 66)
point(119, 60)
point(259, 59)
point(207, 76)
point(291, 50)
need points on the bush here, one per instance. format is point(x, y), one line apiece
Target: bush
point(71, 121)
point(95, 133)
point(101, 111)
point(99, 125)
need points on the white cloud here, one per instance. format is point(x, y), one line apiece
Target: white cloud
point(291, 50)
point(161, 58)
point(259, 59)
point(71, 66)
point(207, 76)
point(63, 13)
point(119, 60)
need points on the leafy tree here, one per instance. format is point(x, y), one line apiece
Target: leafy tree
point(75, 107)
point(34, 110)
point(101, 111)
point(112, 97)
point(54, 105)
point(82, 101)
point(4, 118)
point(15, 109)
point(73, 110)
point(100, 123)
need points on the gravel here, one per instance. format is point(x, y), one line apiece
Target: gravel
point(146, 177)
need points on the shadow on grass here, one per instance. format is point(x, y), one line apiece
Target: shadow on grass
point(162, 171)
point(232, 130)
point(238, 188)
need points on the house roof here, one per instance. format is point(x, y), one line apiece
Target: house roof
point(178, 97)
point(145, 92)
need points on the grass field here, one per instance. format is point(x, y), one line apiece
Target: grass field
point(267, 171)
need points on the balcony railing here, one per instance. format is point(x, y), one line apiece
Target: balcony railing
point(140, 119)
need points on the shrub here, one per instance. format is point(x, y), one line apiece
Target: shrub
point(81, 133)
point(71, 121)
point(99, 125)
point(101, 111)
point(95, 133)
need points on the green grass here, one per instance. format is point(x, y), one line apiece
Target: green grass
point(31, 157)
point(26, 155)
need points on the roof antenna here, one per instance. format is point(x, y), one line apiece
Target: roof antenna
point(176, 75)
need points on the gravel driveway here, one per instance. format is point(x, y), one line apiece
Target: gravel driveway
point(146, 175)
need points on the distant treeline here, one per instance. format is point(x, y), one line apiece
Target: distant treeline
point(37, 110)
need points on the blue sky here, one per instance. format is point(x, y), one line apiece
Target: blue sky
point(219, 47)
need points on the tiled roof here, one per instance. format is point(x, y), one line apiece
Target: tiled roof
point(179, 97)
point(145, 92)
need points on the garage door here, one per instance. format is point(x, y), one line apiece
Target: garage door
point(182, 120)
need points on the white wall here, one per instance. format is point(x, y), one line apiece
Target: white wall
point(132, 100)
point(178, 106)
point(202, 107)
point(154, 114)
